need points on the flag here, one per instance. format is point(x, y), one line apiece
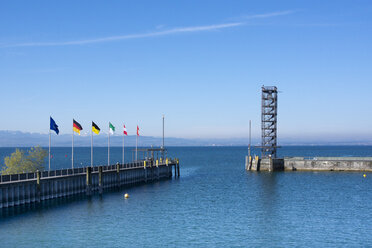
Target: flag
point(125, 130)
point(112, 128)
point(95, 128)
point(53, 126)
point(77, 127)
point(137, 130)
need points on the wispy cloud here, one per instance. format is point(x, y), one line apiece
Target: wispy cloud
point(150, 34)
point(131, 36)
point(268, 15)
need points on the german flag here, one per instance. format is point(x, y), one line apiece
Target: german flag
point(95, 128)
point(76, 127)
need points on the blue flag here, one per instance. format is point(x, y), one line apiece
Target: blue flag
point(53, 126)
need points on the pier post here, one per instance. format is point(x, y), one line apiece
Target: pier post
point(1, 197)
point(157, 169)
point(167, 163)
point(175, 168)
point(100, 188)
point(38, 186)
point(118, 175)
point(144, 167)
point(178, 167)
point(89, 181)
point(6, 197)
point(248, 162)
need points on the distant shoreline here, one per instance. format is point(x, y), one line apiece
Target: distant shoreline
point(209, 146)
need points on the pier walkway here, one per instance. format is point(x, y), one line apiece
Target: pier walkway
point(26, 188)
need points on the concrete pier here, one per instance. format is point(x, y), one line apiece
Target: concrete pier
point(310, 164)
point(328, 164)
point(26, 188)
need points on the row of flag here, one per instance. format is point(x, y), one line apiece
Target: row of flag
point(76, 127)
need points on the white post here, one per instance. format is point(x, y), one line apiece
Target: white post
point(91, 148)
point(49, 149)
point(123, 146)
point(72, 155)
point(108, 148)
point(136, 145)
point(163, 132)
point(162, 152)
point(249, 146)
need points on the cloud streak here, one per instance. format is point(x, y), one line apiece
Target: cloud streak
point(192, 29)
point(132, 36)
point(268, 15)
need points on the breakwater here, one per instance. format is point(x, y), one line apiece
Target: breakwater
point(26, 188)
point(310, 164)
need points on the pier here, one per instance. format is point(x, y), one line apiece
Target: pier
point(269, 161)
point(309, 164)
point(27, 188)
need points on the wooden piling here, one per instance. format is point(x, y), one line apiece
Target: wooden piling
point(178, 167)
point(89, 181)
point(38, 186)
point(118, 175)
point(175, 169)
point(100, 188)
point(144, 167)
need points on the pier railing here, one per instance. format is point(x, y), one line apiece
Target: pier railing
point(81, 170)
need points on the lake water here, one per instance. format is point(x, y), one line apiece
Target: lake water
point(215, 203)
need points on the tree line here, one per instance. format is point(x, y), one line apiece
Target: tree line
point(25, 161)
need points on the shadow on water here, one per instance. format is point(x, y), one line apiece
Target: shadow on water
point(267, 201)
point(41, 206)
point(64, 202)
point(268, 188)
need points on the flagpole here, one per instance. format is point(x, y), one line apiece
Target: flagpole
point(91, 148)
point(249, 146)
point(49, 149)
point(123, 146)
point(108, 149)
point(136, 143)
point(72, 157)
point(163, 132)
point(163, 140)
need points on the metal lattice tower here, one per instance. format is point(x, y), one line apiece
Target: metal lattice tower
point(269, 120)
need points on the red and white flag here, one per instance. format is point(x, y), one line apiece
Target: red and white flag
point(125, 130)
point(137, 130)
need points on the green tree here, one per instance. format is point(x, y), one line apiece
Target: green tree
point(22, 162)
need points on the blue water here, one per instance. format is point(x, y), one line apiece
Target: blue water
point(215, 203)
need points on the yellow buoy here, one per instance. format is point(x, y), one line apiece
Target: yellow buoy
point(126, 196)
point(364, 175)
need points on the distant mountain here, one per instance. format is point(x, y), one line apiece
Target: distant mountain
point(24, 139)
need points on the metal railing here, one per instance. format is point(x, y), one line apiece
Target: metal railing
point(81, 170)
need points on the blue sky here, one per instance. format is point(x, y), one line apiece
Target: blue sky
point(201, 63)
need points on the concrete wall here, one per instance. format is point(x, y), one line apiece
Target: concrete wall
point(328, 164)
point(313, 164)
point(266, 164)
point(35, 187)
